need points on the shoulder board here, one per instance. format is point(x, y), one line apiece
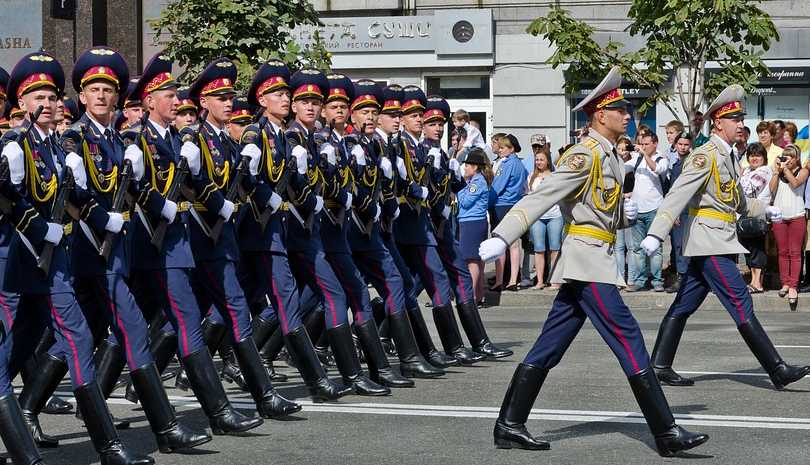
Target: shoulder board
point(250, 135)
point(12, 134)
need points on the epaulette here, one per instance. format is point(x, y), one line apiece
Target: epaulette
point(12, 134)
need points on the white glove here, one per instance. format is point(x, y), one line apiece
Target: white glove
point(135, 157)
point(387, 169)
point(300, 154)
point(191, 152)
point(76, 165)
point(349, 199)
point(16, 163)
point(275, 202)
point(359, 155)
point(423, 193)
point(318, 203)
point(227, 210)
point(630, 210)
point(395, 215)
point(169, 211)
point(115, 223)
point(328, 150)
point(774, 214)
point(650, 244)
point(446, 212)
point(379, 212)
point(491, 249)
point(437, 157)
point(403, 173)
point(253, 152)
point(54, 234)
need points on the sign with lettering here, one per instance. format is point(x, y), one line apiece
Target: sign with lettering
point(63, 9)
point(21, 32)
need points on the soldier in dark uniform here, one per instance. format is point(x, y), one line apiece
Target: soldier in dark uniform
point(132, 110)
point(187, 111)
point(264, 268)
point(38, 166)
point(160, 278)
point(241, 117)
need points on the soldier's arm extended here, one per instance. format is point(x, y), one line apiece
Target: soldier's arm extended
point(696, 170)
point(569, 178)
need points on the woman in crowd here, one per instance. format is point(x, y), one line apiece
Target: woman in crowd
point(473, 201)
point(549, 226)
point(766, 132)
point(508, 186)
point(754, 183)
point(787, 188)
point(789, 136)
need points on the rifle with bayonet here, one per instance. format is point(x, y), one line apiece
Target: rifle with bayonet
point(242, 170)
point(57, 216)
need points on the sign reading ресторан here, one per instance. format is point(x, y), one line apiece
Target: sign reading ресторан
point(21, 31)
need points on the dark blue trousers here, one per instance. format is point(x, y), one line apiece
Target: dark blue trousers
point(380, 271)
point(354, 287)
point(8, 308)
point(170, 290)
point(408, 287)
point(215, 283)
point(719, 274)
point(310, 268)
point(602, 304)
point(456, 268)
point(425, 263)
point(265, 273)
point(74, 341)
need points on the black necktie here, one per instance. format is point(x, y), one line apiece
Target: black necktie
point(108, 135)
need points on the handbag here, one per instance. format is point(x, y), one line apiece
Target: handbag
point(750, 227)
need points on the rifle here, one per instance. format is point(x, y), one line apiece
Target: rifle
point(233, 192)
point(172, 194)
point(280, 187)
point(57, 216)
point(391, 152)
point(125, 178)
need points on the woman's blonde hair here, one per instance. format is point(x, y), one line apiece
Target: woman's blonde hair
point(792, 150)
point(504, 141)
point(535, 171)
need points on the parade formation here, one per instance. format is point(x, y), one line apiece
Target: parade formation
point(163, 221)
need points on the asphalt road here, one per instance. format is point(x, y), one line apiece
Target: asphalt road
point(585, 409)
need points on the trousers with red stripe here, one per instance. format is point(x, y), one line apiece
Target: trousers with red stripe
point(310, 268)
point(265, 273)
point(215, 283)
point(719, 274)
point(602, 304)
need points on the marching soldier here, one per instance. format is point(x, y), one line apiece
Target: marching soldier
point(588, 186)
point(42, 275)
point(187, 111)
point(708, 187)
point(132, 111)
point(241, 117)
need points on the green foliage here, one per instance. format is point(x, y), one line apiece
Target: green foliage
point(250, 32)
point(680, 35)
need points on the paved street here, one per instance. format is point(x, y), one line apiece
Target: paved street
point(586, 408)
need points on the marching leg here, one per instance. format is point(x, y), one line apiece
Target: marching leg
point(379, 369)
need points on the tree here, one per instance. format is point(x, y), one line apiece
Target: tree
point(250, 32)
point(680, 37)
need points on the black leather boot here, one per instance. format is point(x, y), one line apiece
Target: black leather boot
point(42, 383)
point(669, 437)
point(315, 323)
point(270, 352)
point(321, 388)
point(379, 369)
point(451, 337)
point(171, 436)
point(510, 428)
point(383, 327)
point(110, 362)
point(411, 362)
point(477, 334)
point(269, 403)
point(57, 406)
point(213, 335)
point(340, 338)
point(757, 340)
point(666, 344)
point(111, 450)
point(231, 370)
point(15, 434)
point(163, 347)
point(425, 343)
point(205, 383)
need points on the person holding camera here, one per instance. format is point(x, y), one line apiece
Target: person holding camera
point(787, 188)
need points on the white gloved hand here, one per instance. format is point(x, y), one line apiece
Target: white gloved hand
point(275, 202)
point(169, 211)
point(191, 152)
point(359, 155)
point(455, 167)
point(403, 173)
point(135, 156)
point(76, 165)
point(328, 151)
point(300, 154)
point(491, 249)
point(16, 162)
point(379, 212)
point(650, 244)
point(55, 233)
point(387, 169)
point(115, 223)
point(423, 192)
point(446, 212)
point(318, 203)
point(253, 152)
point(437, 157)
point(395, 215)
point(774, 214)
point(227, 210)
point(630, 210)
point(349, 199)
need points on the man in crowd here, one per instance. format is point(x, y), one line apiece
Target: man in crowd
point(683, 147)
point(674, 129)
point(741, 145)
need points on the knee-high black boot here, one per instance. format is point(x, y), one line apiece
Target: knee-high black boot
point(213, 335)
point(510, 428)
point(315, 323)
point(340, 338)
point(42, 383)
point(669, 437)
point(666, 344)
point(451, 337)
point(320, 387)
point(269, 352)
point(383, 327)
point(55, 405)
point(425, 342)
point(110, 362)
point(411, 362)
point(15, 433)
point(757, 339)
point(379, 369)
point(477, 334)
point(269, 403)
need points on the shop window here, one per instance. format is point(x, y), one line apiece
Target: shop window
point(458, 87)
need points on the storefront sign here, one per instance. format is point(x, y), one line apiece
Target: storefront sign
point(777, 76)
point(21, 32)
